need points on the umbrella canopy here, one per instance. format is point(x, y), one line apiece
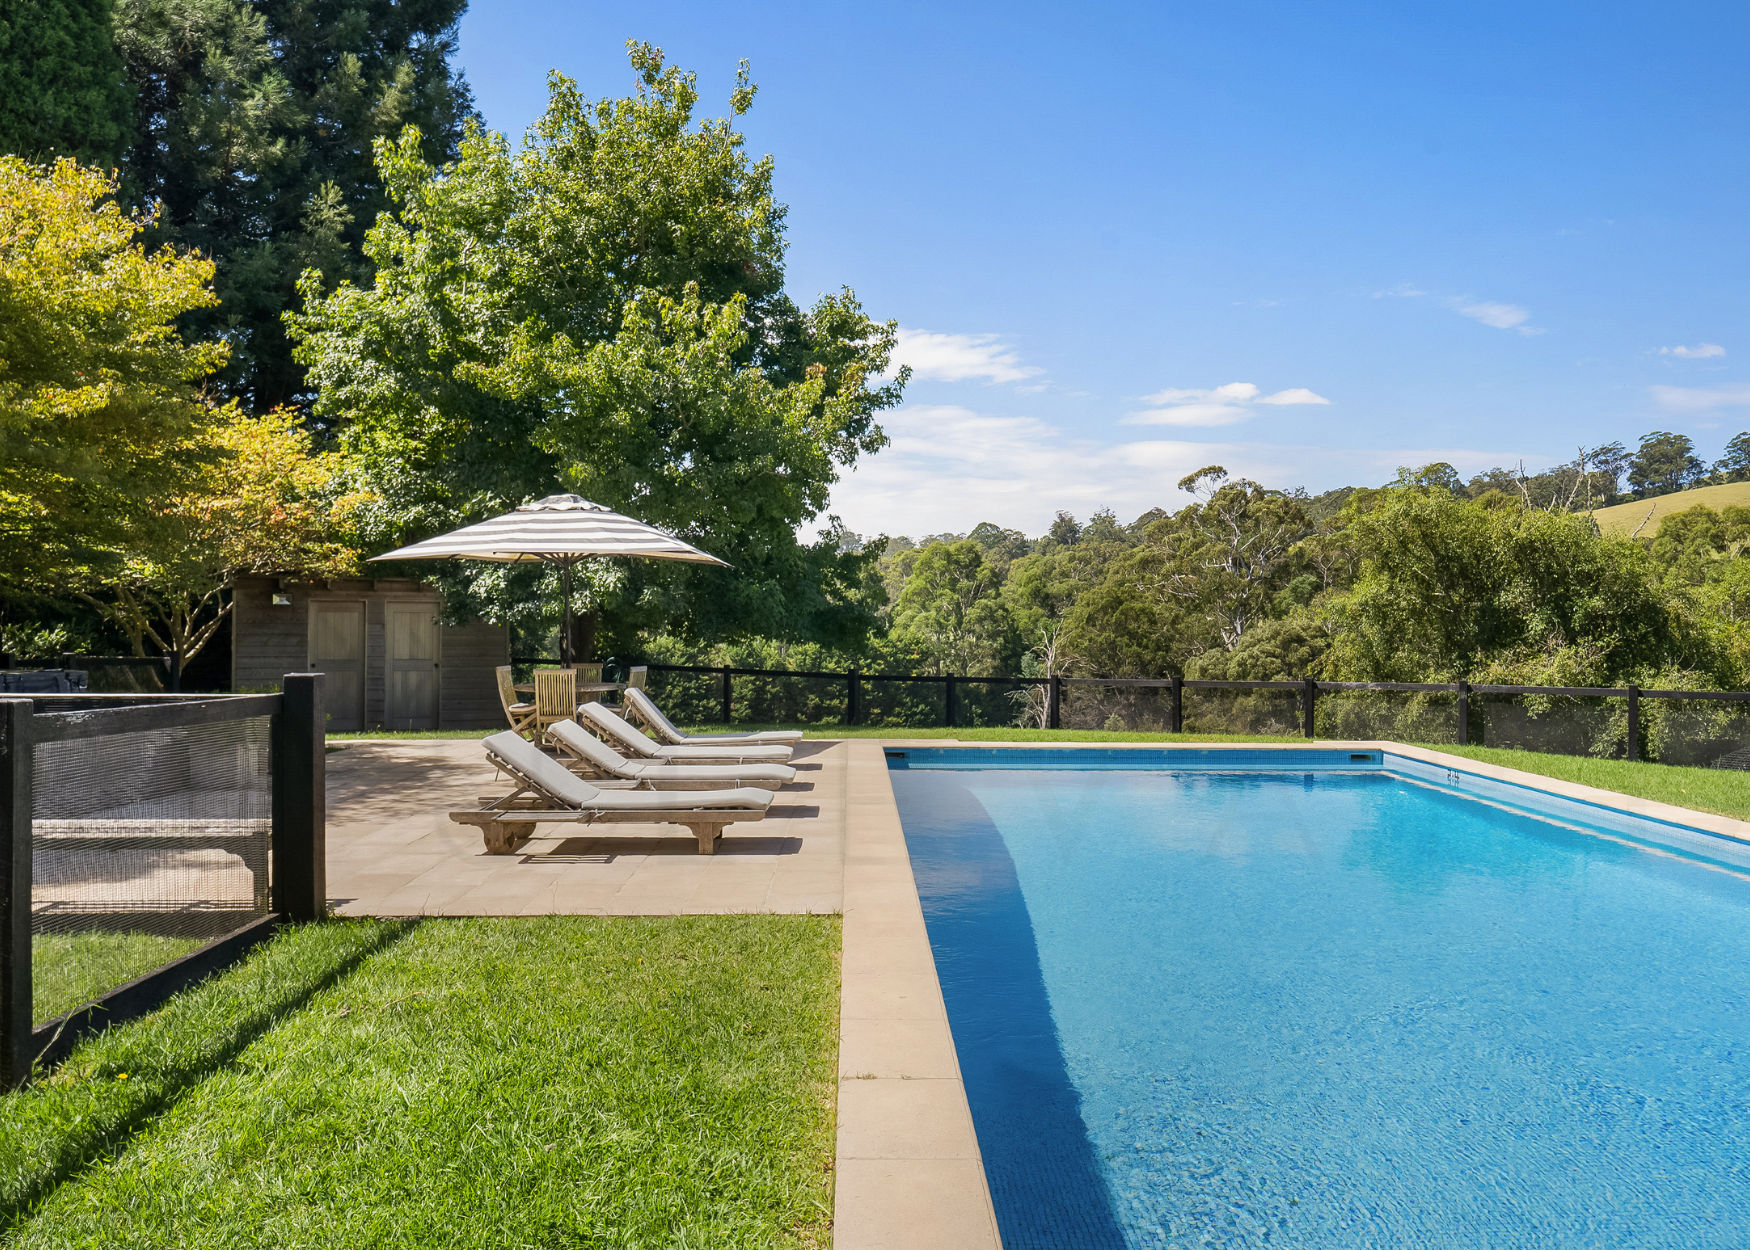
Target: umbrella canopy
point(560, 529)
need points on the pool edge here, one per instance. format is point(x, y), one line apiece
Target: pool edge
point(908, 1168)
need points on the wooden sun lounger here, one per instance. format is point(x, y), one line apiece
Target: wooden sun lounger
point(627, 740)
point(588, 756)
point(548, 793)
point(640, 705)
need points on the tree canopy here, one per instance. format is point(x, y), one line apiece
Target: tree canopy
point(602, 311)
point(62, 92)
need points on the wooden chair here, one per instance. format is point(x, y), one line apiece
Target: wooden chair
point(637, 676)
point(555, 698)
point(520, 715)
point(587, 674)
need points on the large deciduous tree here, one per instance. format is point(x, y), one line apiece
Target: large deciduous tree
point(255, 127)
point(101, 412)
point(603, 312)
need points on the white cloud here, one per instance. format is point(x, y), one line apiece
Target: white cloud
point(1220, 405)
point(1294, 395)
point(1695, 399)
point(1402, 290)
point(1501, 316)
point(960, 357)
point(948, 468)
point(1701, 351)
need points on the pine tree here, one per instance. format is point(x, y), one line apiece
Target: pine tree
point(61, 87)
point(255, 138)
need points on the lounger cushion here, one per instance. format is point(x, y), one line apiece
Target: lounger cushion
point(647, 709)
point(580, 741)
point(635, 741)
point(555, 780)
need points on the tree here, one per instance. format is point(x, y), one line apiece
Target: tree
point(62, 92)
point(100, 407)
point(1734, 466)
point(256, 125)
point(953, 605)
point(1226, 558)
point(603, 312)
point(270, 503)
point(1666, 463)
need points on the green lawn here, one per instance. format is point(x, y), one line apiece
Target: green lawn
point(551, 1081)
point(66, 970)
point(1722, 791)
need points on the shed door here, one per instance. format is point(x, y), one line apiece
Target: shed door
point(337, 648)
point(413, 666)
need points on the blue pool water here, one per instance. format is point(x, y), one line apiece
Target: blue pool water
point(1333, 1009)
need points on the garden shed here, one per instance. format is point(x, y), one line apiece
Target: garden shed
point(391, 661)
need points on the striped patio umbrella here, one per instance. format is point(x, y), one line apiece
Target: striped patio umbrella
point(560, 529)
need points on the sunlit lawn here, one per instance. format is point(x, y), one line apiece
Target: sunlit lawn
point(550, 1081)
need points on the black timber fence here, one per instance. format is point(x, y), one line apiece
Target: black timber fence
point(1700, 727)
point(151, 840)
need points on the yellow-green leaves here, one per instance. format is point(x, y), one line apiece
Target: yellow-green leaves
point(99, 392)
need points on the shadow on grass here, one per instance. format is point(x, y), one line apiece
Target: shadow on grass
point(113, 1087)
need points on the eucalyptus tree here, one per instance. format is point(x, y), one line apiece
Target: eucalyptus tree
point(603, 311)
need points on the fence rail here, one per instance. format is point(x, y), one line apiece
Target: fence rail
point(1597, 720)
point(181, 820)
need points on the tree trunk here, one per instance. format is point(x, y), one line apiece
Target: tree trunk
point(583, 631)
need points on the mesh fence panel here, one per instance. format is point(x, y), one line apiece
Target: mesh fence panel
point(1266, 712)
point(687, 698)
point(1555, 724)
point(1395, 715)
point(1702, 733)
point(166, 832)
point(889, 703)
point(1118, 709)
point(788, 700)
point(993, 704)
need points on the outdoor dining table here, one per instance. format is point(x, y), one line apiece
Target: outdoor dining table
point(583, 687)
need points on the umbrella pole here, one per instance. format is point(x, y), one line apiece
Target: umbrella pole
point(565, 629)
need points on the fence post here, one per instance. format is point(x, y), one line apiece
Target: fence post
point(853, 682)
point(1463, 690)
point(1054, 703)
point(300, 802)
point(1176, 714)
point(15, 872)
point(1634, 721)
point(950, 708)
point(726, 694)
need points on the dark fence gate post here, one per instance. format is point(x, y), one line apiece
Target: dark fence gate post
point(1634, 721)
point(1054, 703)
point(726, 695)
point(300, 801)
point(852, 691)
point(15, 873)
point(948, 708)
point(1463, 689)
point(1176, 714)
point(1309, 707)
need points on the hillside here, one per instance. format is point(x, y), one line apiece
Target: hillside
point(1620, 520)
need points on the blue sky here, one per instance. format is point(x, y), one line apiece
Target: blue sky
point(1126, 241)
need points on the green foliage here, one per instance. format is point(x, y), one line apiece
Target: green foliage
point(603, 312)
point(100, 407)
point(1665, 463)
point(255, 133)
point(953, 604)
point(1449, 586)
point(61, 87)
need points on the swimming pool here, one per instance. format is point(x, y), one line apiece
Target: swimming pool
point(1352, 1002)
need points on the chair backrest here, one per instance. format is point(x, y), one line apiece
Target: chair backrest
point(587, 673)
point(641, 706)
point(637, 677)
point(506, 688)
point(587, 747)
point(604, 719)
point(555, 693)
point(548, 776)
